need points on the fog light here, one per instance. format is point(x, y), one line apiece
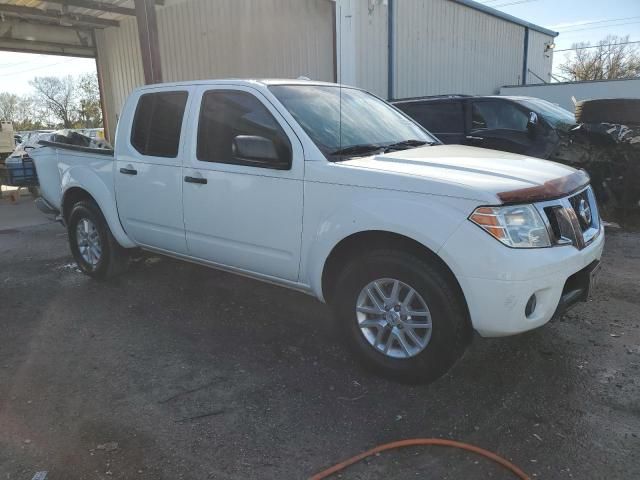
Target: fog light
point(531, 306)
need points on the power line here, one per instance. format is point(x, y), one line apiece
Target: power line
point(32, 69)
point(14, 64)
point(598, 21)
point(512, 3)
point(595, 46)
point(601, 26)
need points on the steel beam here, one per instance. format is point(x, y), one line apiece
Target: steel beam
point(19, 36)
point(95, 5)
point(55, 16)
point(99, 5)
point(149, 43)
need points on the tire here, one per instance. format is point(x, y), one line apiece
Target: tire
point(615, 110)
point(112, 259)
point(449, 335)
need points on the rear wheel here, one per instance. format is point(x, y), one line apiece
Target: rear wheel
point(93, 247)
point(403, 315)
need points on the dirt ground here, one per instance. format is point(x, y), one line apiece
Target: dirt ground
point(177, 371)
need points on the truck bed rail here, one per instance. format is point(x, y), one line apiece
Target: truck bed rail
point(77, 148)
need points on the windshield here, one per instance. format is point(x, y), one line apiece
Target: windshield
point(348, 122)
point(557, 116)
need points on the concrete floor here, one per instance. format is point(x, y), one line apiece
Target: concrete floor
point(19, 214)
point(177, 371)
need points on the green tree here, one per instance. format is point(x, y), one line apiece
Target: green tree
point(89, 108)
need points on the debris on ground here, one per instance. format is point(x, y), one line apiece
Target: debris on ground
point(108, 447)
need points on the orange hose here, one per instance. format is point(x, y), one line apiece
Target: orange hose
point(422, 441)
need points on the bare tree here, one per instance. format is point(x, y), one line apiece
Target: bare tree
point(609, 59)
point(58, 95)
point(9, 103)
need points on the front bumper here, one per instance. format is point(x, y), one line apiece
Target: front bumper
point(498, 282)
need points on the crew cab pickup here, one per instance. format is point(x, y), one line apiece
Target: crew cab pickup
point(329, 190)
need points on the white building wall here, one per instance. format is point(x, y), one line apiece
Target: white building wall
point(540, 60)
point(561, 93)
point(372, 46)
point(202, 39)
point(443, 47)
point(362, 44)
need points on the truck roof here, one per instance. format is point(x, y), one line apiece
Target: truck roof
point(249, 82)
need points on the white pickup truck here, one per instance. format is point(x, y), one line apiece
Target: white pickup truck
point(331, 191)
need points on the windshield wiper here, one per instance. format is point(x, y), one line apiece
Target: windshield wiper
point(406, 144)
point(358, 149)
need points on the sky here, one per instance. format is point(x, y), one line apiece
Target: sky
point(17, 69)
point(576, 20)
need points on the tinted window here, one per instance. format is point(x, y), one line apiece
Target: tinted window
point(225, 115)
point(157, 123)
point(437, 117)
point(552, 113)
point(498, 115)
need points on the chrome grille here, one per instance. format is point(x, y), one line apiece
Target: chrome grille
point(572, 220)
point(582, 208)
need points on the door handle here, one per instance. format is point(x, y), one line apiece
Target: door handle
point(128, 171)
point(477, 139)
point(200, 180)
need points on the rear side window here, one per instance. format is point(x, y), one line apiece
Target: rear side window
point(437, 117)
point(157, 123)
point(498, 116)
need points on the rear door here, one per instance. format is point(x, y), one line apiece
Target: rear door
point(443, 118)
point(238, 212)
point(148, 174)
point(499, 125)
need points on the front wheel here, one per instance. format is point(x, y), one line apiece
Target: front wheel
point(403, 315)
point(93, 247)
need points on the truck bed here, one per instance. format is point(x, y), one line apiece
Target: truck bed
point(54, 161)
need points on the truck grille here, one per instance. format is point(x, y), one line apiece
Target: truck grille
point(572, 220)
point(582, 208)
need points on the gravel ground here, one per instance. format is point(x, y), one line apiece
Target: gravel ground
point(177, 371)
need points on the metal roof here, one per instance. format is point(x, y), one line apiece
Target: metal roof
point(505, 16)
point(79, 13)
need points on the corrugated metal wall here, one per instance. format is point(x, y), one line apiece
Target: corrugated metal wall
point(372, 43)
point(444, 47)
point(202, 39)
point(539, 61)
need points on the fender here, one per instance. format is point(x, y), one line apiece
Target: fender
point(87, 179)
point(405, 215)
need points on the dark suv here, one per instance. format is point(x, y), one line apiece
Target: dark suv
point(524, 125)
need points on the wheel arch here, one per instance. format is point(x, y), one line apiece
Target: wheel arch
point(74, 194)
point(371, 239)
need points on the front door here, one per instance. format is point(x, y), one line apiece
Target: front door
point(241, 211)
point(148, 174)
point(499, 125)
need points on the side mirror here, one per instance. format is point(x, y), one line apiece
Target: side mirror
point(533, 120)
point(254, 148)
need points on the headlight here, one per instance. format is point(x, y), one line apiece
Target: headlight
point(517, 226)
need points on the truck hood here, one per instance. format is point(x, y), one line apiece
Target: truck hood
point(455, 170)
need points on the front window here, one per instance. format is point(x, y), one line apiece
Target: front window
point(557, 116)
point(346, 122)
point(498, 115)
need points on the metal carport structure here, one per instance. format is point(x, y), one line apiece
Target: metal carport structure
point(68, 27)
